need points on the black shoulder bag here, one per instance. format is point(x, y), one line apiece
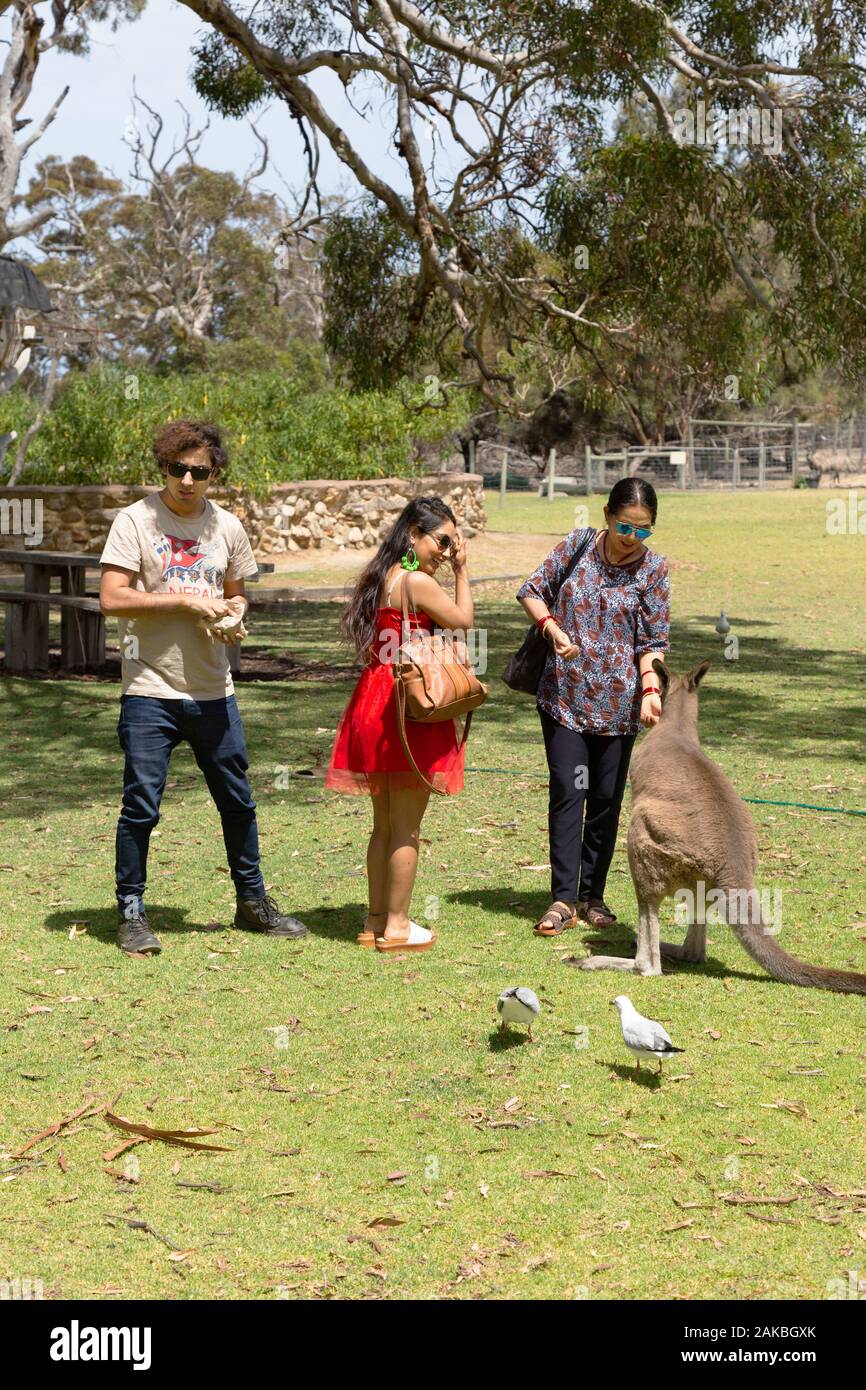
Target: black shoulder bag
point(525, 669)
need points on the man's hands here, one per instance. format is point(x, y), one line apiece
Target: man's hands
point(211, 609)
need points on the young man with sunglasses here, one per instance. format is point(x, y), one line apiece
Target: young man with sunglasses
point(173, 563)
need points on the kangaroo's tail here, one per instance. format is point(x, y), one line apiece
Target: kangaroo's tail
point(755, 935)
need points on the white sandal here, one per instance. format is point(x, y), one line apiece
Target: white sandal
point(419, 939)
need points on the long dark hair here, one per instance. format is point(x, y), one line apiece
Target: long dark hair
point(633, 492)
point(358, 624)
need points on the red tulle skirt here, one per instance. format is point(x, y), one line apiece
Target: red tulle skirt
point(368, 756)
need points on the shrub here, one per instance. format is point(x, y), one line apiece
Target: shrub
point(276, 427)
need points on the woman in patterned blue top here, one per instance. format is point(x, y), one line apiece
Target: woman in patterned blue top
point(605, 625)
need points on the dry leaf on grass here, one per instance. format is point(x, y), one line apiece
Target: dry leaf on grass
point(89, 1109)
point(184, 1138)
point(733, 1200)
point(121, 1176)
point(370, 1240)
point(381, 1222)
point(796, 1107)
point(111, 1154)
point(771, 1220)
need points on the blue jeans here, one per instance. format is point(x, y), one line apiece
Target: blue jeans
point(148, 729)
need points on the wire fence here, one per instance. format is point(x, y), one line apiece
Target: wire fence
point(715, 455)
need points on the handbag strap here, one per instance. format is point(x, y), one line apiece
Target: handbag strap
point(404, 597)
point(400, 697)
point(578, 555)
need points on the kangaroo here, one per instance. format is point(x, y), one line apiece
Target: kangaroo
point(688, 826)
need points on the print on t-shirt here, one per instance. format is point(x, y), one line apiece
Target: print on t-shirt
point(182, 561)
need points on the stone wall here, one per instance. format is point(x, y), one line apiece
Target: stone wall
point(295, 516)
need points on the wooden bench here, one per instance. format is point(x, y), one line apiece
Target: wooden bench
point(234, 651)
point(82, 642)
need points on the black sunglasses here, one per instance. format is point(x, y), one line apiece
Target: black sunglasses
point(199, 471)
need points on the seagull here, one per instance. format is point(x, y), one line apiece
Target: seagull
point(641, 1035)
point(518, 1005)
point(723, 627)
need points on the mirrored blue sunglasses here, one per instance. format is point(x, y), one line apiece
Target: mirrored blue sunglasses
point(625, 528)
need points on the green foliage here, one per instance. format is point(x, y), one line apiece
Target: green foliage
point(377, 325)
point(223, 80)
point(232, 86)
point(277, 427)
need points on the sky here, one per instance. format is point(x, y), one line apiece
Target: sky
point(156, 52)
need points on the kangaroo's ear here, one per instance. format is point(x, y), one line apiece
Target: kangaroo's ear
point(694, 678)
point(662, 673)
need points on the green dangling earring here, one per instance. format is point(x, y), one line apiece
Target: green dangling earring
point(412, 564)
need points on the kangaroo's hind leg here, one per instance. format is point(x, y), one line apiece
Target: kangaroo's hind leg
point(694, 948)
point(648, 957)
point(647, 960)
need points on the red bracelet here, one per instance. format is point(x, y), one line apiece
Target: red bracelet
point(540, 622)
point(651, 690)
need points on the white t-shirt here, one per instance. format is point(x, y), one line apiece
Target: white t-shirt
point(167, 654)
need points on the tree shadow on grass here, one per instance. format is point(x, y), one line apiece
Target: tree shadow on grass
point(617, 940)
point(68, 750)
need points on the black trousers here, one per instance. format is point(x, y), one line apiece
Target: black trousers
point(588, 769)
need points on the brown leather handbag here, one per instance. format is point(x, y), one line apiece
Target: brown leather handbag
point(433, 681)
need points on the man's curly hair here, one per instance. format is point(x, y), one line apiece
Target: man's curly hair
point(174, 438)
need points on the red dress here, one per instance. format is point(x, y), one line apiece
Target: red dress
point(368, 755)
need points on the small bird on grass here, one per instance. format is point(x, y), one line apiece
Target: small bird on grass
point(518, 1005)
point(641, 1035)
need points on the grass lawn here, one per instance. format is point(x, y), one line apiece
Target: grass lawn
point(384, 1143)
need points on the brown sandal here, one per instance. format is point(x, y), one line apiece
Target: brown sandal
point(557, 919)
point(368, 937)
point(596, 912)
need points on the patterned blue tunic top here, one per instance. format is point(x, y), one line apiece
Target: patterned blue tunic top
point(615, 614)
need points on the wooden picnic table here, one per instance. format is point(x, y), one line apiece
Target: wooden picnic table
point(82, 626)
point(234, 651)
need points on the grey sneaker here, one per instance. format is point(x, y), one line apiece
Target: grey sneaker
point(262, 914)
point(134, 934)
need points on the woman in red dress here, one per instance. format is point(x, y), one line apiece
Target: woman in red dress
point(368, 754)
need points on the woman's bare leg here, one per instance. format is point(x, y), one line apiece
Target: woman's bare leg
point(407, 807)
point(378, 851)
